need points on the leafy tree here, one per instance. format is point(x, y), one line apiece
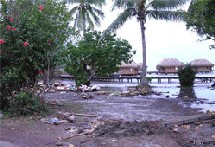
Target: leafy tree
point(186, 76)
point(201, 18)
point(30, 38)
point(157, 9)
point(87, 13)
point(87, 58)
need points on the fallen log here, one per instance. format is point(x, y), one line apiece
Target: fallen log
point(189, 120)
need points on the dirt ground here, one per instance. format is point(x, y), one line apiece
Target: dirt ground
point(108, 121)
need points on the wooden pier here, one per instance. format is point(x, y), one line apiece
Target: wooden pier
point(131, 79)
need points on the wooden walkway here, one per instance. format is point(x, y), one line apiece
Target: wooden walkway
point(134, 79)
point(131, 79)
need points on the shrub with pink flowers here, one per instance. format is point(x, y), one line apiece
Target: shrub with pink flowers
point(31, 35)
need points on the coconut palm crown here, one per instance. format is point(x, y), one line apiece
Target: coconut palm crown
point(87, 13)
point(157, 9)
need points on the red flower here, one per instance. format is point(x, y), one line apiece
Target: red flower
point(11, 19)
point(2, 41)
point(26, 44)
point(9, 28)
point(13, 29)
point(41, 7)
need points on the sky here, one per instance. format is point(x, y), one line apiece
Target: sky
point(163, 40)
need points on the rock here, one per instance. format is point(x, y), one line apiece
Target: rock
point(79, 130)
point(213, 85)
point(59, 144)
point(44, 120)
point(213, 136)
point(87, 95)
point(71, 145)
point(54, 121)
point(175, 129)
point(71, 119)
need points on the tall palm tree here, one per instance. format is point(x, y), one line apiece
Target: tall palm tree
point(87, 13)
point(157, 9)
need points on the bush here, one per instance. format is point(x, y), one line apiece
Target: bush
point(186, 76)
point(27, 104)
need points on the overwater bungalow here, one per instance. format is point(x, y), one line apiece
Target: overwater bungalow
point(132, 69)
point(169, 65)
point(202, 65)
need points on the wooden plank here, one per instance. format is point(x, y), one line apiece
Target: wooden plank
point(189, 119)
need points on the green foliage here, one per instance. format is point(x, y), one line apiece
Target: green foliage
point(186, 76)
point(32, 32)
point(88, 58)
point(200, 18)
point(27, 104)
point(87, 13)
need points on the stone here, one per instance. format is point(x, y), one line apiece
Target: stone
point(59, 144)
point(79, 130)
point(71, 119)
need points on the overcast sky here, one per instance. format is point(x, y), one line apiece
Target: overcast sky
point(163, 40)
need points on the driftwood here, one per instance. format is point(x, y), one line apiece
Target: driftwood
point(84, 115)
point(75, 114)
point(75, 135)
point(189, 120)
point(88, 132)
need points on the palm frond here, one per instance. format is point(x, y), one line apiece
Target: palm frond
point(96, 13)
point(166, 15)
point(121, 19)
point(98, 3)
point(123, 4)
point(73, 10)
point(89, 21)
point(167, 4)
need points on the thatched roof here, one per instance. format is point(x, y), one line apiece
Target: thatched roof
point(132, 65)
point(170, 62)
point(201, 62)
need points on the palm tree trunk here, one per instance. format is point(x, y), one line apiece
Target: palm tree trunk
point(143, 74)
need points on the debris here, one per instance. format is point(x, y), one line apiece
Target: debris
point(185, 126)
point(87, 95)
point(66, 114)
point(191, 119)
point(71, 118)
point(213, 136)
point(95, 88)
point(53, 121)
point(175, 129)
point(59, 143)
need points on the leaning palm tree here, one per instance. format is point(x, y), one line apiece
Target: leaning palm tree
point(157, 9)
point(87, 13)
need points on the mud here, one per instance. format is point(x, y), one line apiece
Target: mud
point(126, 122)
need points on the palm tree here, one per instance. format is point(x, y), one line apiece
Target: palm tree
point(87, 13)
point(157, 9)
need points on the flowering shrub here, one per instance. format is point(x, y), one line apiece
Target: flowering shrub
point(41, 7)
point(2, 41)
point(24, 43)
